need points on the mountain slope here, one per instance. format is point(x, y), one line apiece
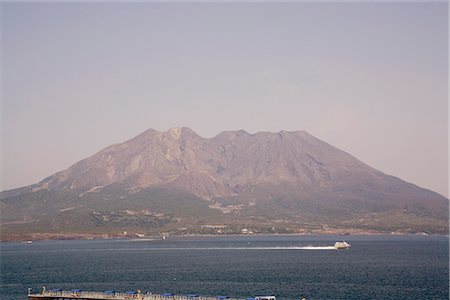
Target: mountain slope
point(274, 180)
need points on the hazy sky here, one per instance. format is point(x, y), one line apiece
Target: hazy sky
point(370, 79)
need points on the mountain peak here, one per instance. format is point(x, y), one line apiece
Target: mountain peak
point(178, 132)
point(175, 130)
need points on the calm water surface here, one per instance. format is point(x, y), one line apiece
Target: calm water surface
point(376, 267)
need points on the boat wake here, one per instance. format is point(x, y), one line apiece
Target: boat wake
point(232, 248)
point(318, 248)
point(229, 248)
point(246, 248)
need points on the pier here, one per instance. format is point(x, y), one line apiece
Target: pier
point(112, 295)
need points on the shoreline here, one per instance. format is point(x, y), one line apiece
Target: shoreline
point(81, 236)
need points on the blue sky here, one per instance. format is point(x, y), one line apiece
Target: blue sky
point(369, 78)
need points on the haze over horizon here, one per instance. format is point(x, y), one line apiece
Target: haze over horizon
point(368, 78)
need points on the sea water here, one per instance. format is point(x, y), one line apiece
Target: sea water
point(375, 267)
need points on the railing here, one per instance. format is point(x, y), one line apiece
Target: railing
point(118, 296)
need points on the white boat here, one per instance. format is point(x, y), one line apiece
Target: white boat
point(342, 245)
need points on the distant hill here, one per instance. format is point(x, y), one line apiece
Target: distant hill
point(179, 182)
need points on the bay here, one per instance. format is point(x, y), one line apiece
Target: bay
point(375, 267)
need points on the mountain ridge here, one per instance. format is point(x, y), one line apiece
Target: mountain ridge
point(267, 176)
